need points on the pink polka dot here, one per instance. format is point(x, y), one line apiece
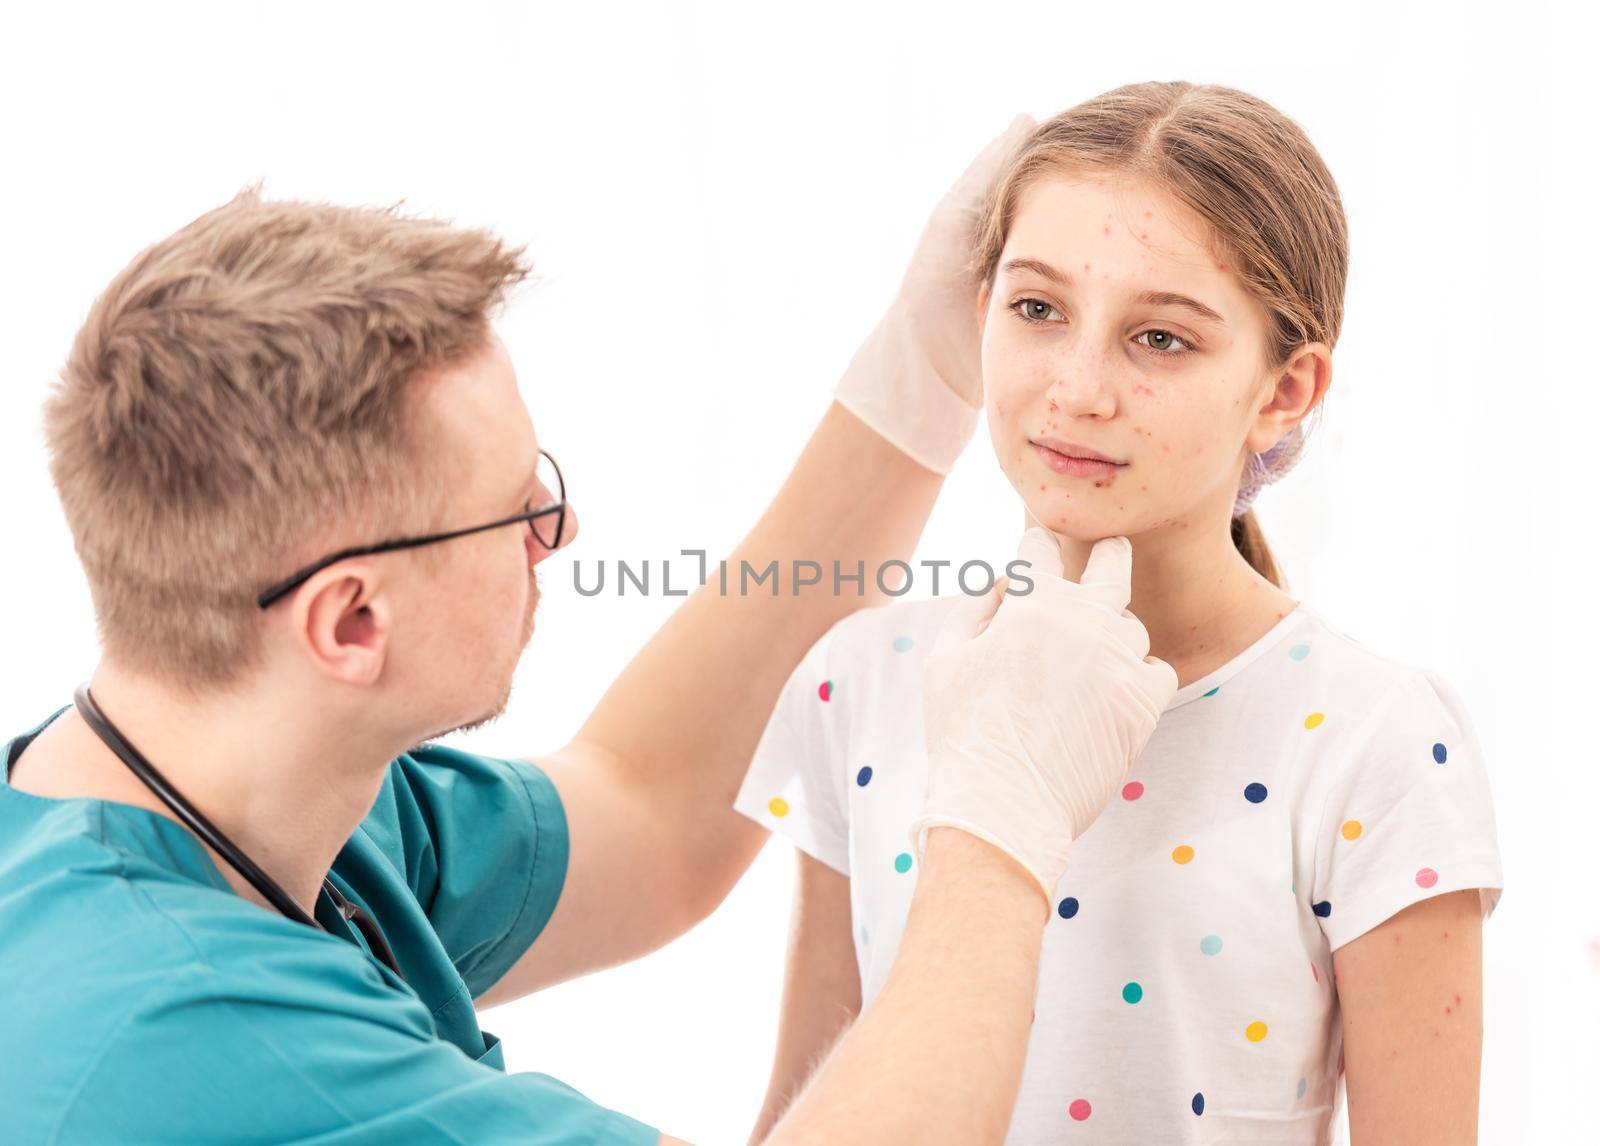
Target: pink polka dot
point(1079, 1110)
point(1132, 790)
point(1427, 877)
point(825, 690)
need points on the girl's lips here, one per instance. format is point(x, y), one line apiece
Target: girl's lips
point(1073, 467)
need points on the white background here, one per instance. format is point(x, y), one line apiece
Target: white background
point(719, 199)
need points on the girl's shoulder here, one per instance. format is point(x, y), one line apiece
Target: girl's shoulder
point(893, 629)
point(1338, 665)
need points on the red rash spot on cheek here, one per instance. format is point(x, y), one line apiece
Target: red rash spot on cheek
point(1166, 449)
point(1143, 390)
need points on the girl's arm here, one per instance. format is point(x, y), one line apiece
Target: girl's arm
point(1411, 992)
point(821, 988)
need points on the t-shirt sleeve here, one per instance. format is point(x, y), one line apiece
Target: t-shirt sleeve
point(484, 846)
point(793, 783)
point(1408, 815)
point(312, 1046)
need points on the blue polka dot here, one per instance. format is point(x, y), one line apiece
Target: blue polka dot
point(864, 777)
point(1198, 1104)
point(1067, 908)
point(1213, 692)
point(1211, 944)
point(1439, 754)
point(1300, 1091)
point(1322, 910)
point(1255, 793)
point(903, 644)
point(902, 862)
point(1132, 993)
point(1299, 652)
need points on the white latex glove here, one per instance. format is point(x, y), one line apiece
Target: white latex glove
point(1036, 706)
point(916, 379)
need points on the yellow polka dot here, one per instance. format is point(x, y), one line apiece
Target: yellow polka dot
point(1313, 720)
point(1351, 829)
point(1256, 1031)
point(778, 806)
point(1183, 853)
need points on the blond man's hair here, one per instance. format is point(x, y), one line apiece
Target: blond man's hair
point(240, 396)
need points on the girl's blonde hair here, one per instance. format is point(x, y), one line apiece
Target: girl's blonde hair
point(1246, 169)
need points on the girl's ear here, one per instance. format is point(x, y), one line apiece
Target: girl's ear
point(1293, 394)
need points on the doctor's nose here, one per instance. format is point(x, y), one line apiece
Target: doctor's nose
point(542, 539)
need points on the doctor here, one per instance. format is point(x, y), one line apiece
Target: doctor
point(238, 903)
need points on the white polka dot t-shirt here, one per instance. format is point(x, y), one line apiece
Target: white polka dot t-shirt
point(1287, 802)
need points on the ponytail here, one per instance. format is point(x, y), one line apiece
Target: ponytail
point(1252, 544)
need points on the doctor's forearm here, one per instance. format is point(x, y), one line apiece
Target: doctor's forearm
point(937, 1056)
point(683, 719)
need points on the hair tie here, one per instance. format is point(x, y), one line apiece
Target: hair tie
point(1262, 469)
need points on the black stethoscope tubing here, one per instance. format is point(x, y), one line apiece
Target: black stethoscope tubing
point(212, 835)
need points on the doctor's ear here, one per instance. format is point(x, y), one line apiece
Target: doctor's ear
point(343, 621)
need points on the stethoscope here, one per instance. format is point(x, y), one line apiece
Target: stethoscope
point(221, 844)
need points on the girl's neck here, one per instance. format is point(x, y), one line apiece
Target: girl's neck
point(1195, 594)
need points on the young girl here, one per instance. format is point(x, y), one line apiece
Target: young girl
point(1295, 874)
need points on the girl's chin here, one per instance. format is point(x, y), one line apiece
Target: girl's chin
point(1079, 519)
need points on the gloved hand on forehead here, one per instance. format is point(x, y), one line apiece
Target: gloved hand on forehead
point(916, 379)
point(1036, 706)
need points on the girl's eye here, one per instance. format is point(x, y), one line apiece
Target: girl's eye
point(1036, 311)
point(1164, 348)
point(1033, 309)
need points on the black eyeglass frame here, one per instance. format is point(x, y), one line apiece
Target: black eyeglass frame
point(558, 507)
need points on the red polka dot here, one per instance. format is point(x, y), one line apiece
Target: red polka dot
point(1427, 877)
point(825, 689)
point(1132, 790)
point(1079, 1110)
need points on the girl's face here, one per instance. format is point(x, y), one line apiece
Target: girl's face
point(1110, 327)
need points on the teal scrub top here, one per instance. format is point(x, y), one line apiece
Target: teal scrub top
point(143, 1000)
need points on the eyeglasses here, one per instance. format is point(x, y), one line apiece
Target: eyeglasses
point(538, 522)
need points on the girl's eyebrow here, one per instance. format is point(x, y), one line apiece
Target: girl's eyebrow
point(1150, 297)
